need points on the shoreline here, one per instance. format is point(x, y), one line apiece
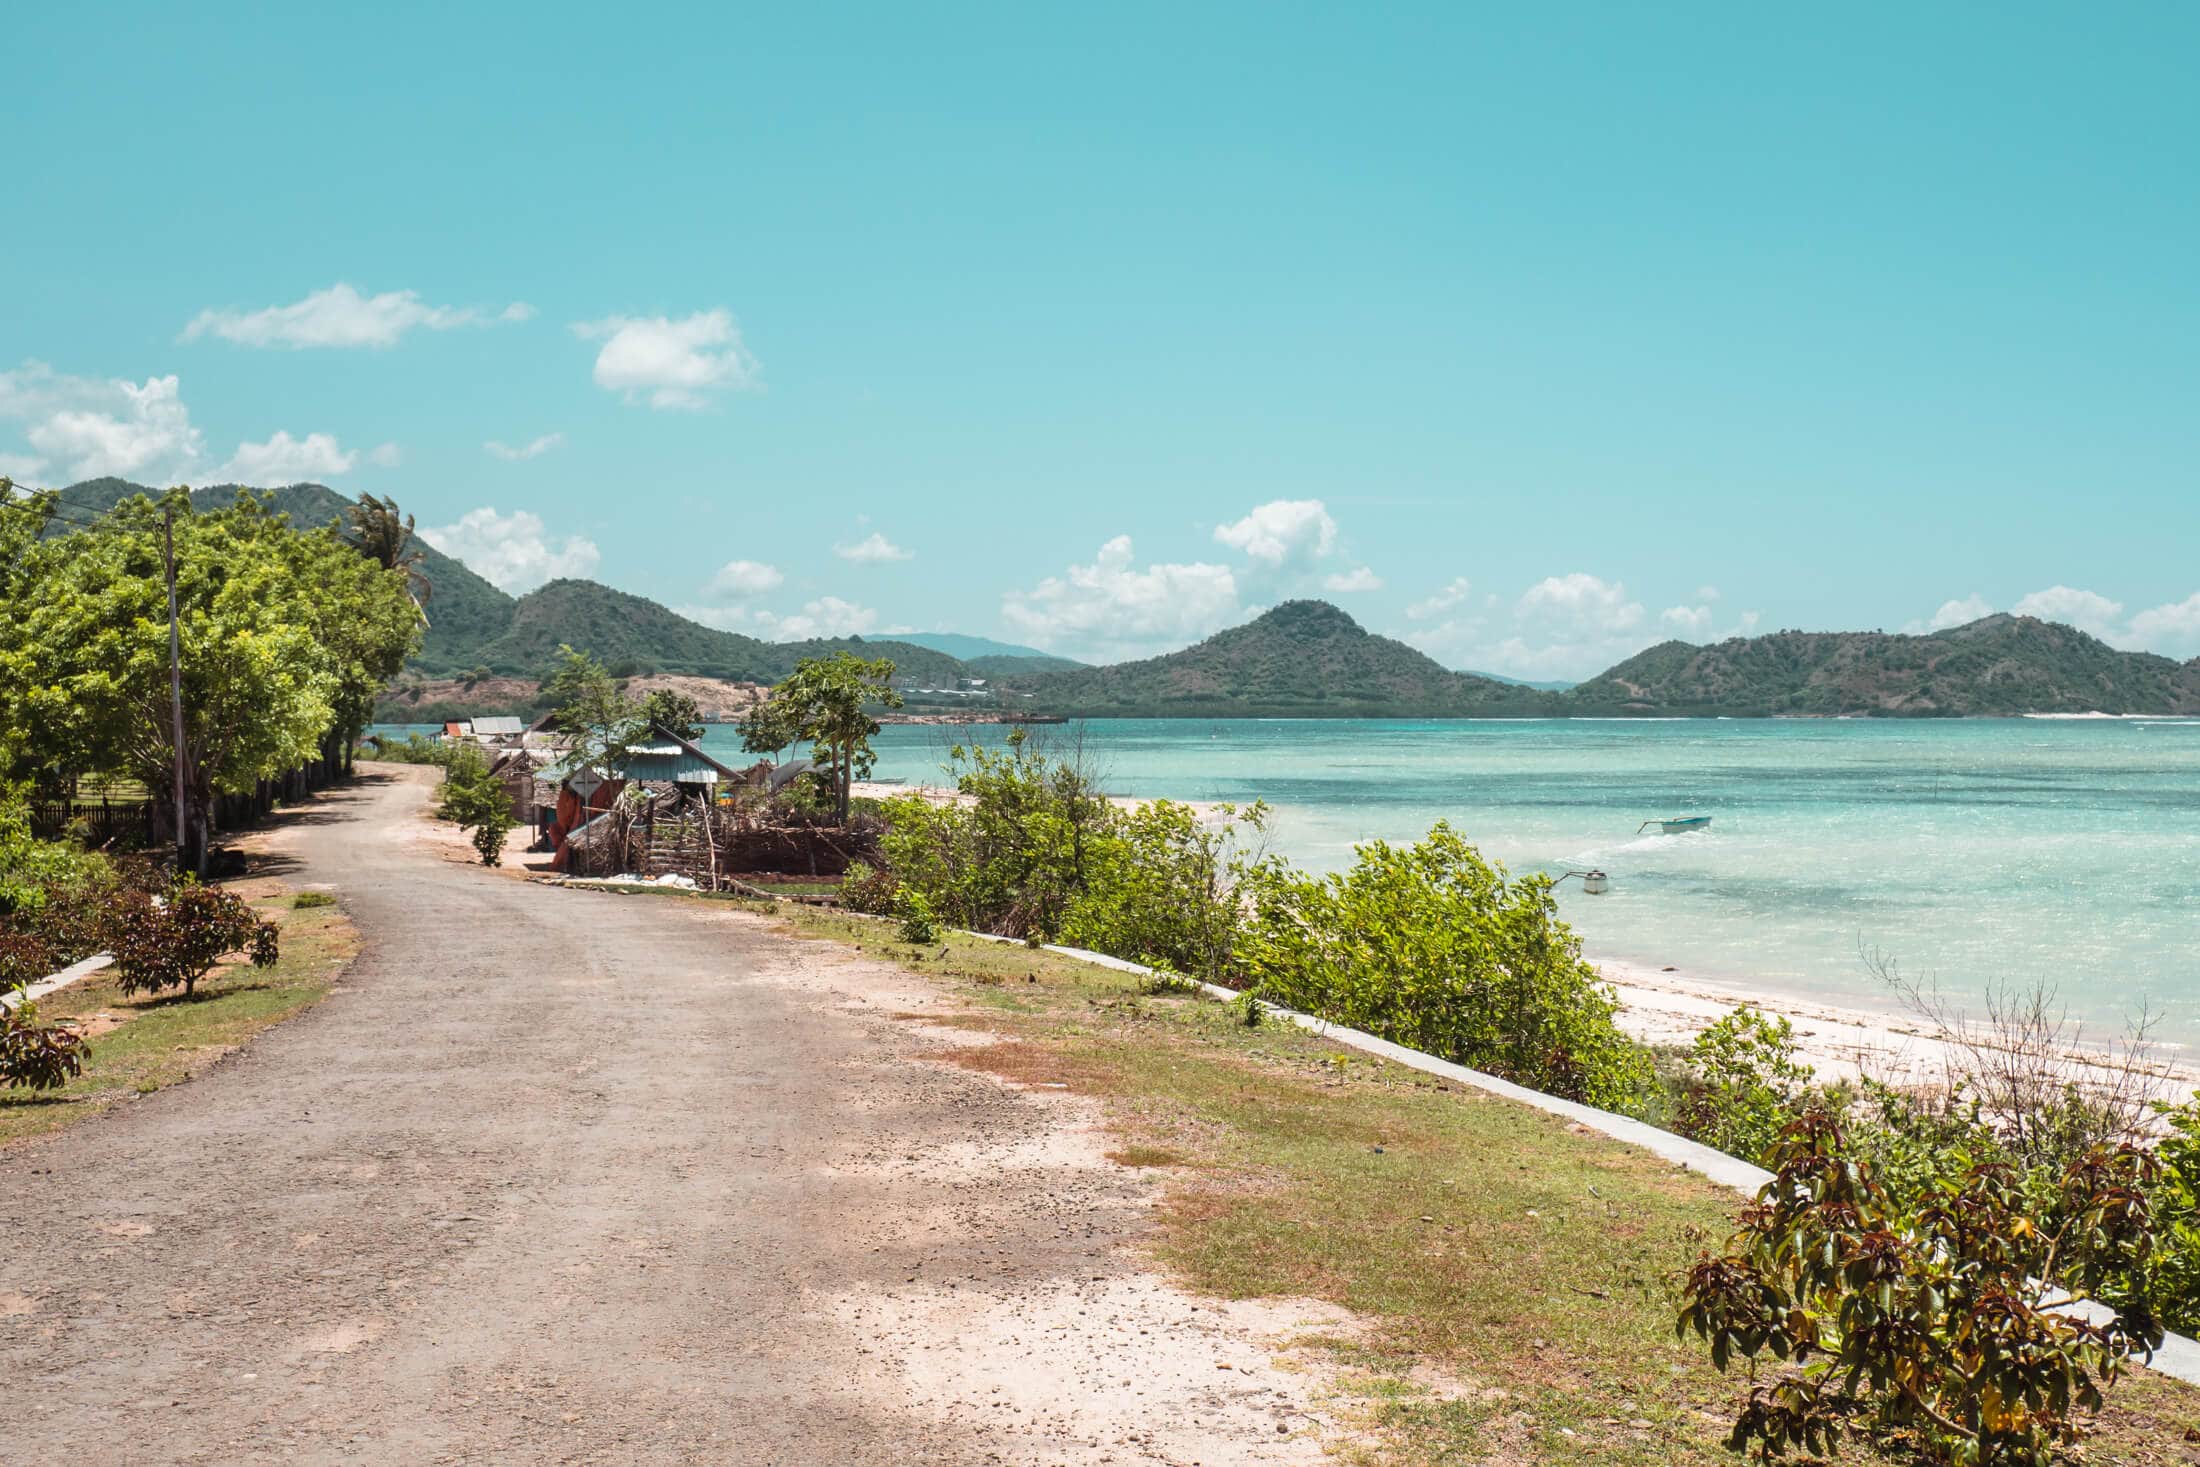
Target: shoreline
point(1661, 1007)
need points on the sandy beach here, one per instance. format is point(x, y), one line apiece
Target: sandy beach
point(1672, 1006)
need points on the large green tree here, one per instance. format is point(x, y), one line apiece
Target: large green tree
point(285, 637)
point(826, 703)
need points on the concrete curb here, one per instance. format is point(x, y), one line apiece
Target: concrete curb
point(76, 971)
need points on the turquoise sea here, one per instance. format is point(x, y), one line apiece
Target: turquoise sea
point(2066, 849)
point(1971, 850)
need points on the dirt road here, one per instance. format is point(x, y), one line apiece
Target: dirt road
point(566, 1177)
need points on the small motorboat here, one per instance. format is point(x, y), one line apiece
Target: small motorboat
point(1678, 825)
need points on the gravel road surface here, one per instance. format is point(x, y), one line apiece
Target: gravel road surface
point(558, 1176)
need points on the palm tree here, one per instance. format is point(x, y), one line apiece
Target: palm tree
point(383, 535)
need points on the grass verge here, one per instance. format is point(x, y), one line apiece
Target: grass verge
point(141, 1043)
point(1516, 1277)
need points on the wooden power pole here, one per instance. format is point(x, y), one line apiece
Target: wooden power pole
point(175, 696)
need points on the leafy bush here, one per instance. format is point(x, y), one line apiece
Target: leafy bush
point(915, 915)
point(475, 799)
point(306, 899)
point(32, 869)
point(868, 889)
point(2174, 1288)
point(1929, 1319)
point(173, 941)
point(1169, 887)
point(1034, 850)
point(1746, 1086)
point(37, 1056)
point(1433, 947)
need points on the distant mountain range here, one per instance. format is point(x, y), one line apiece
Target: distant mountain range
point(1303, 659)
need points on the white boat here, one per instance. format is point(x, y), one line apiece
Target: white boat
point(1678, 825)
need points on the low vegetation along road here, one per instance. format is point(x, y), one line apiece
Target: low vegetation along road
point(561, 1176)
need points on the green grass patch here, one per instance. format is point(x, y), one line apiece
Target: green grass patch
point(1516, 1278)
point(144, 1042)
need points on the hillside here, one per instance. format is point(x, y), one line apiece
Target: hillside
point(1305, 658)
point(627, 632)
point(1998, 666)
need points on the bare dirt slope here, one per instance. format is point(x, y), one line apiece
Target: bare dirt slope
point(567, 1177)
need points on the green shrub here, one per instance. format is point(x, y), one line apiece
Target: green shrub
point(2174, 1289)
point(306, 899)
point(37, 1056)
point(1433, 947)
point(1938, 1320)
point(868, 889)
point(915, 915)
point(475, 799)
point(1034, 850)
point(1746, 1084)
point(174, 940)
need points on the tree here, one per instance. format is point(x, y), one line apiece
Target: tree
point(286, 637)
point(385, 537)
point(601, 723)
point(676, 712)
point(826, 703)
point(475, 799)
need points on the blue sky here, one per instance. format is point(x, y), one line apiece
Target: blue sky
point(1532, 334)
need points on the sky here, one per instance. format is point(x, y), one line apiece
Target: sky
point(1530, 334)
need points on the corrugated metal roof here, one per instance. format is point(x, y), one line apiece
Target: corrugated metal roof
point(497, 727)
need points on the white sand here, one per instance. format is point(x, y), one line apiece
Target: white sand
point(1662, 1007)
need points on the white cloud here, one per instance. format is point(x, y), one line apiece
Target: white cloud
point(2172, 630)
point(287, 460)
point(2088, 611)
point(1443, 601)
point(677, 363)
point(1570, 626)
point(738, 579)
point(515, 550)
point(1955, 613)
point(1282, 531)
point(385, 456)
point(1360, 578)
point(1581, 603)
point(21, 467)
point(873, 549)
point(827, 616)
point(341, 316)
point(533, 448)
point(1114, 608)
point(90, 426)
point(1689, 621)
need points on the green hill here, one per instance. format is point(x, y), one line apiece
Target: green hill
point(1998, 666)
point(633, 633)
point(1305, 658)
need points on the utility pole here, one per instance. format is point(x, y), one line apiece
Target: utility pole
point(175, 694)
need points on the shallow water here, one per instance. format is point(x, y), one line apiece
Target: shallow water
point(1971, 850)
